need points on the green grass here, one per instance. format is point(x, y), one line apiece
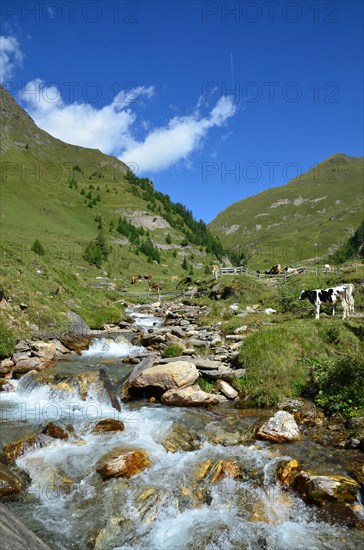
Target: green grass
point(276, 357)
point(41, 183)
point(289, 233)
point(7, 340)
point(205, 385)
point(173, 350)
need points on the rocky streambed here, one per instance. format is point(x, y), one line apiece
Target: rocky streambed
point(120, 448)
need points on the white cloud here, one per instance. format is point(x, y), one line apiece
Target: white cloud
point(11, 57)
point(165, 146)
point(107, 129)
point(110, 128)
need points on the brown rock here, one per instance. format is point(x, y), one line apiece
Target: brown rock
point(287, 470)
point(108, 425)
point(6, 364)
point(76, 344)
point(192, 396)
point(13, 450)
point(55, 431)
point(122, 463)
point(13, 481)
point(211, 472)
point(31, 363)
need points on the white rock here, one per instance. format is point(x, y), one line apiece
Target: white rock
point(279, 428)
point(269, 311)
point(227, 389)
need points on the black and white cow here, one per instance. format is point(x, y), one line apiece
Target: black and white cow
point(350, 296)
point(342, 293)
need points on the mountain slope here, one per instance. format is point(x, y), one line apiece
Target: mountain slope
point(53, 191)
point(63, 196)
point(305, 219)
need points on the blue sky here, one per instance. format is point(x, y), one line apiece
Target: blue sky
point(213, 101)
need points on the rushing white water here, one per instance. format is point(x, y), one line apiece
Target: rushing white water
point(158, 509)
point(107, 347)
point(144, 320)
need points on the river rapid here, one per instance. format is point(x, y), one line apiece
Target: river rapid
point(168, 506)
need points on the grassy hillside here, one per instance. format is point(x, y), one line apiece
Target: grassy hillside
point(308, 218)
point(63, 195)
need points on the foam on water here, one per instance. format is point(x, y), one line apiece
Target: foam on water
point(70, 497)
point(108, 347)
point(144, 320)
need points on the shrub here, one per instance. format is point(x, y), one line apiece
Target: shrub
point(97, 251)
point(173, 350)
point(37, 247)
point(147, 247)
point(184, 264)
point(339, 384)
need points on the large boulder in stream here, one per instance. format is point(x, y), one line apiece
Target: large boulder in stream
point(122, 463)
point(193, 396)
point(13, 481)
point(30, 363)
point(279, 428)
point(322, 489)
point(159, 378)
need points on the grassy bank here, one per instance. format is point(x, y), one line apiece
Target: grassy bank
point(304, 357)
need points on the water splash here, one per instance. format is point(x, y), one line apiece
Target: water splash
point(108, 347)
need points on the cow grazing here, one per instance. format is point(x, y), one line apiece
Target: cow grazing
point(153, 285)
point(133, 280)
point(274, 270)
point(342, 293)
point(350, 296)
point(294, 270)
point(147, 276)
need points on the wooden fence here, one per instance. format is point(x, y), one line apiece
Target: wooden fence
point(279, 277)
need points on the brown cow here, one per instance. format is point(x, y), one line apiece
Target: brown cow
point(147, 277)
point(133, 280)
point(274, 270)
point(153, 285)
